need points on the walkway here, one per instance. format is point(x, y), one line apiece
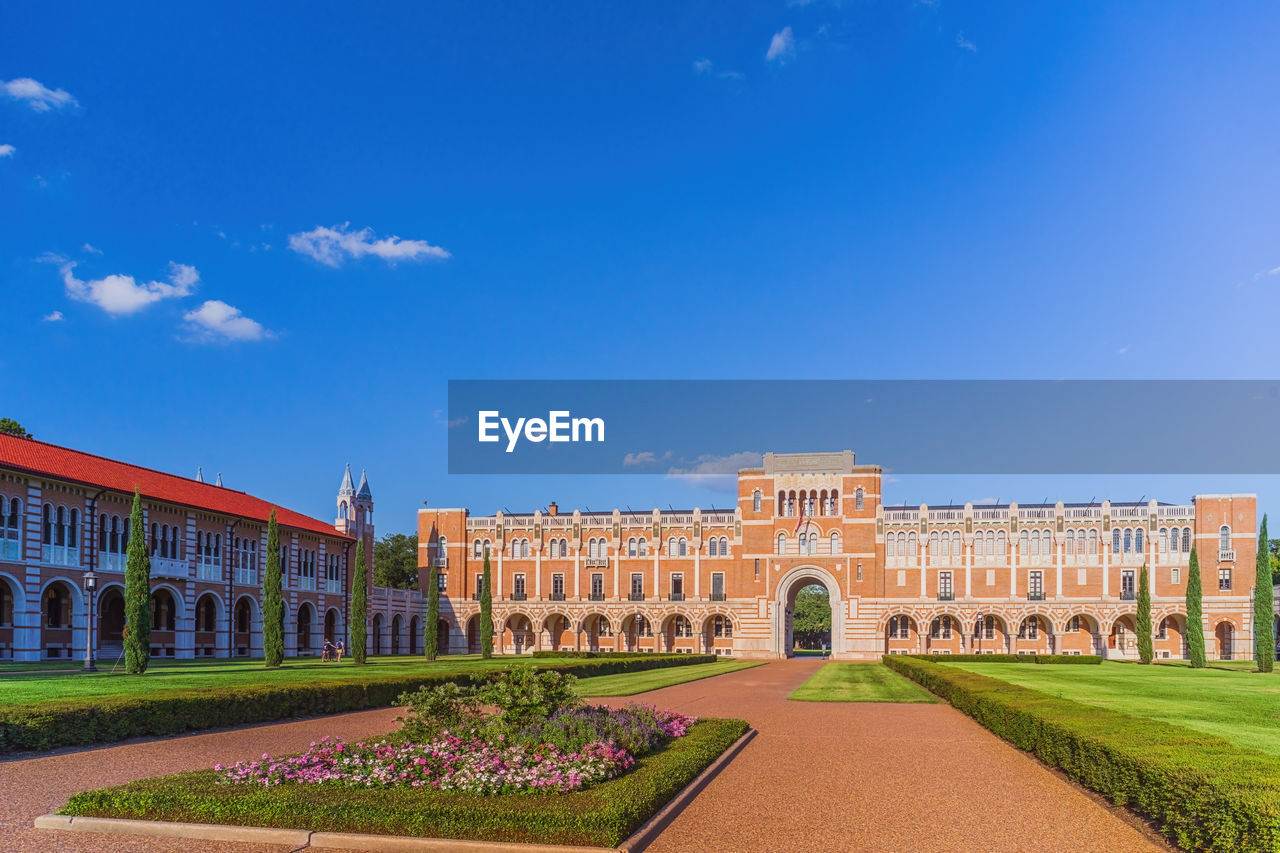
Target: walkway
point(818, 777)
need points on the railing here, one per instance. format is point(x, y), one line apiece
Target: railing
point(557, 596)
point(1130, 512)
point(306, 583)
point(1037, 513)
point(1127, 595)
point(1227, 555)
point(1180, 512)
point(10, 549)
point(247, 577)
point(475, 596)
point(208, 571)
point(596, 596)
point(676, 596)
point(717, 596)
point(1132, 558)
point(1080, 512)
point(597, 562)
point(165, 568)
point(901, 562)
point(333, 585)
point(111, 562)
point(946, 515)
point(636, 596)
point(1224, 584)
point(902, 515)
point(60, 555)
point(946, 596)
point(1035, 596)
point(990, 514)
point(441, 562)
point(518, 596)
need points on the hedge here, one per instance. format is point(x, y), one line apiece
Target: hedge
point(1204, 792)
point(1064, 659)
point(78, 722)
point(602, 815)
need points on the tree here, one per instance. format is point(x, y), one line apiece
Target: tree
point(1264, 635)
point(811, 619)
point(273, 599)
point(1195, 619)
point(1145, 651)
point(395, 561)
point(430, 638)
point(359, 606)
point(137, 594)
point(486, 612)
point(8, 426)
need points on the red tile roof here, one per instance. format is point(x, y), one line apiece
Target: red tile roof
point(37, 457)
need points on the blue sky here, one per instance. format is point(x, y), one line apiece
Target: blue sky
point(326, 212)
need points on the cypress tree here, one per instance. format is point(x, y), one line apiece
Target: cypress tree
point(137, 594)
point(486, 612)
point(1145, 650)
point(1195, 619)
point(273, 599)
point(1264, 638)
point(359, 606)
point(430, 640)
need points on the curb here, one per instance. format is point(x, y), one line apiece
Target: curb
point(166, 829)
point(653, 827)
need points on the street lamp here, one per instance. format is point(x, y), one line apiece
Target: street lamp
point(90, 584)
point(981, 626)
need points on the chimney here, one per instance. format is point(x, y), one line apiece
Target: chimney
point(553, 510)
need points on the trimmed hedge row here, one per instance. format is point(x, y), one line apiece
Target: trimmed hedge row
point(603, 815)
point(1064, 659)
point(78, 722)
point(1203, 791)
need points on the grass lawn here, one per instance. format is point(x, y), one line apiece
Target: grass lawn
point(1239, 706)
point(859, 682)
point(631, 683)
point(602, 815)
point(18, 688)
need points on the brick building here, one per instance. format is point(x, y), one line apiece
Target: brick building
point(987, 578)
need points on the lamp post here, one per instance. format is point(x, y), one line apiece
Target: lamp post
point(981, 627)
point(90, 584)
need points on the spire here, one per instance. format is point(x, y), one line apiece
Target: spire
point(219, 483)
point(347, 487)
point(199, 475)
point(364, 486)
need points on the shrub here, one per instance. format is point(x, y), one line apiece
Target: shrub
point(1203, 791)
point(1065, 659)
point(77, 722)
point(603, 815)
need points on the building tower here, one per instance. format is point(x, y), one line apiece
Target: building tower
point(355, 517)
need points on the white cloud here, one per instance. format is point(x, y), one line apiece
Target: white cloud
point(707, 68)
point(965, 44)
point(782, 46)
point(54, 317)
point(716, 472)
point(449, 423)
point(93, 250)
point(121, 294)
point(216, 321)
point(702, 66)
point(644, 457)
point(7, 150)
point(1275, 271)
point(1122, 350)
point(38, 96)
point(334, 246)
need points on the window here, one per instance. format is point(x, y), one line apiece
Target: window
point(244, 558)
point(684, 546)
point(1030, 628)
point(643, 547)
point(479, 585)
point(642, 627)
point(717, 586)
point(306, 569)
point(940, 628)
point(1162, 633)
point(756, 499)
point(475, 549)
point(637, 586)
point(10, 527)
point(1115, 540)
point(721, 627)
point(597, 586)
point(681, 627)
point(857, 499)
point(1224, 579)
point(899, 627)
point(442, 582)
point(713, 547)
point(835, 543)
point(782, 543)
point(557, 587)
point(1138, 540)
point(835, 503)
point(677, 586)
point(859, 572)
point(1175, 576)
point(517, 587)
point(1186, 539)
point(985, 628)
point(945, 592)
point(1035, 586)
point(671, 546)
point(632, 547)
point(1128, 541)
point(1224, 538)
point(1164, 540)
point(1126, 585)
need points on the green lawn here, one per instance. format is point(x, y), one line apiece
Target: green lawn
point(631, 683)
point(20, 688)
point(859, 682)
point(1241, 707)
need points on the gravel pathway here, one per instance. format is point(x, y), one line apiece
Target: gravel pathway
point(818, 776)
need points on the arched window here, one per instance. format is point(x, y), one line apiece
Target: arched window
point(782, 543)
point(1173, 540)
point(684, 546)
point(809, 504)
point(791, 504)
point(1024, 543)
point(1186, 539)
point(1224, 539)
point(1164, 540)
point(835, 543)
point(643, 546)
point(713, 547)
point(756, 500)
point(1128, 540)
point(1002, 543)
point(933, 546)
point(680, 626)
point(722, 626)
point(1115, 540)
point(1093, 543)
point(1138, 540)
point(671, 546)
point(857, 498)
point(631, 547)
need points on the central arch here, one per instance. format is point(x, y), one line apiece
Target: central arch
point(784, 602)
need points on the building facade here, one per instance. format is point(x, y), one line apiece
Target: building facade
point(64, 513)
point(971, 578)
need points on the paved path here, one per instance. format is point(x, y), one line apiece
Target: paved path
point(817, 777)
